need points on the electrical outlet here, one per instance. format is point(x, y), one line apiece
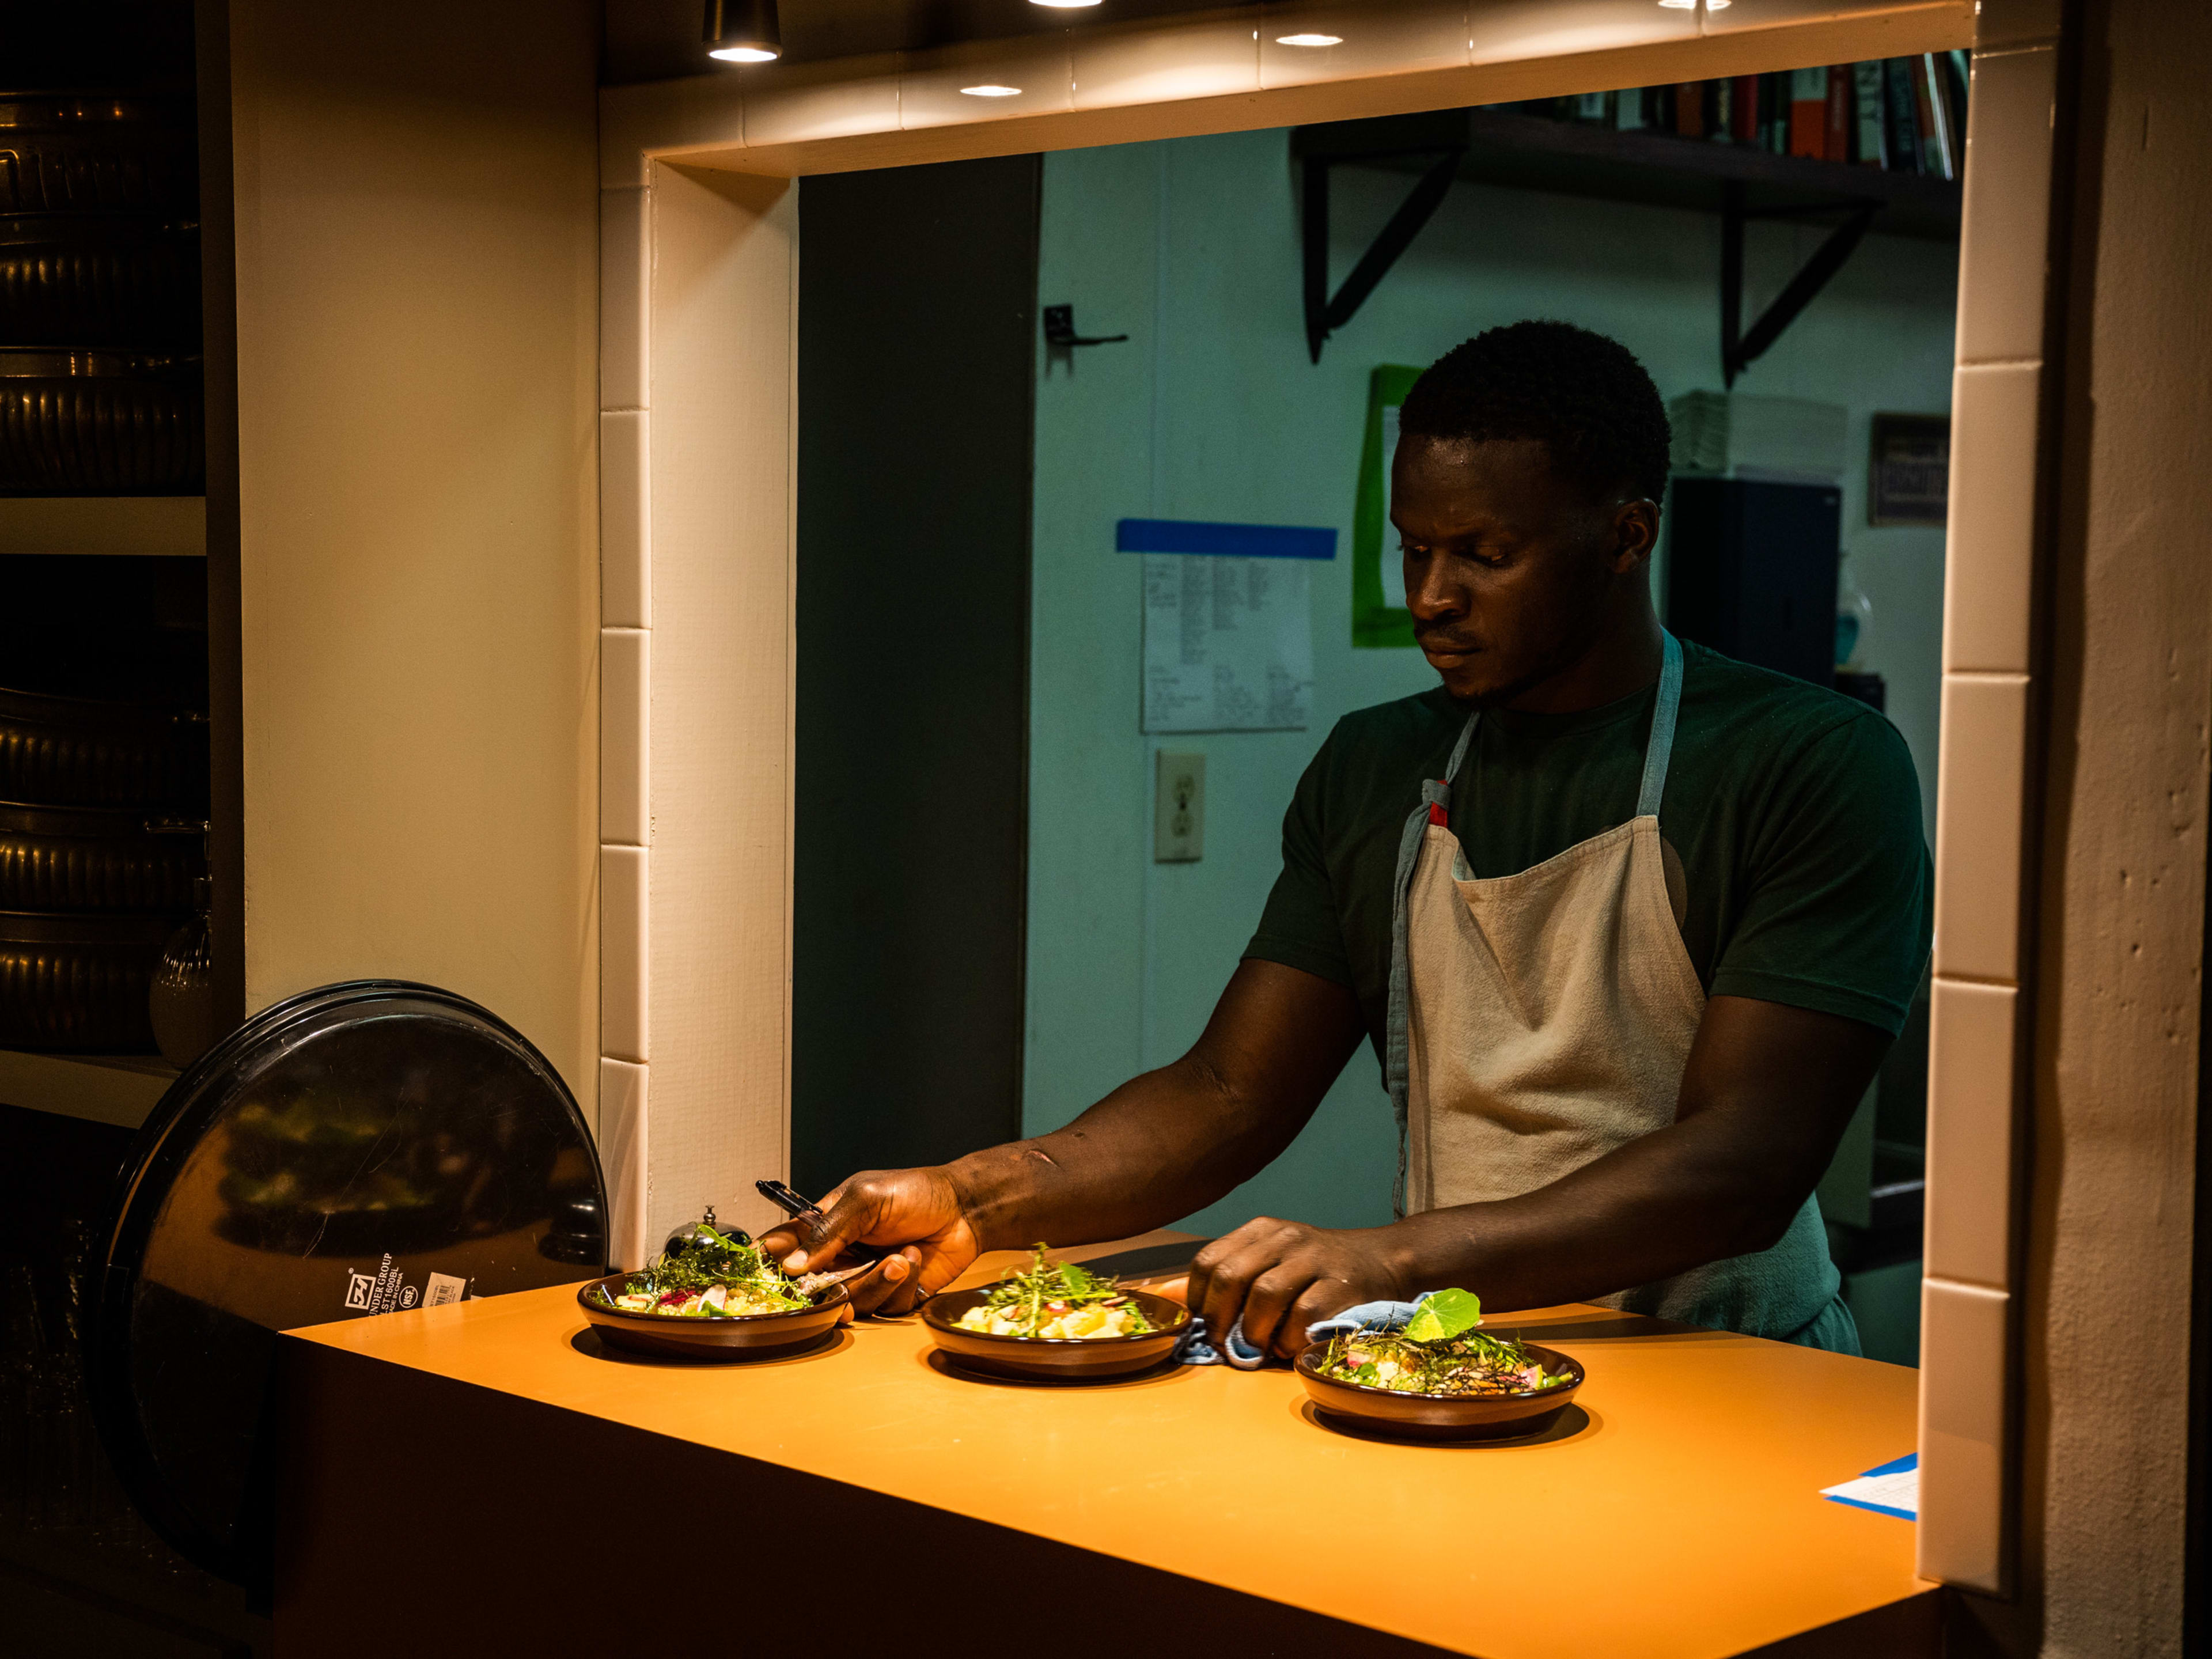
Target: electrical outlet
point(1178, 808)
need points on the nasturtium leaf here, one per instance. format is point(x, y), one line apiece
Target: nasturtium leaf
point(1444, 1315)
point(1076, 1278)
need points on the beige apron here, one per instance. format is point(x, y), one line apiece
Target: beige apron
point(1541, 1020)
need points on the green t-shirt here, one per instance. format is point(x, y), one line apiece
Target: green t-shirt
point(1795, 814)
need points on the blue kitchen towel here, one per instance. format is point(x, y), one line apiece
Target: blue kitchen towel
point(1367, 1316)
point(1196, 1349)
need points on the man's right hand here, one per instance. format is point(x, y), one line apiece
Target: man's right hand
point(917, 1211)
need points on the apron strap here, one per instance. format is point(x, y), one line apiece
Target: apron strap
point(1435, 808)
point(1661, 749)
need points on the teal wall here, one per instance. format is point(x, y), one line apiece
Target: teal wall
point(1211, 411)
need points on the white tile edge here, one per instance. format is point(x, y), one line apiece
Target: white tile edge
point(1962, 1547)
point(625, 1149)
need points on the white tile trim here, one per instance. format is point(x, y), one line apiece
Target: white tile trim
point(2005, 236)
point(625, 520)
point(1972, 1069)
point(1996, 414)
point(625, 737)
point(625, 1002)
point(625, 294)
point(624, 1157)
point(1965, 1338)
point(1980, 823)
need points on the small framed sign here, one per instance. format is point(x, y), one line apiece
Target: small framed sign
point(1909, 470)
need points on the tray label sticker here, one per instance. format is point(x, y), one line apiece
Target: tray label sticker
point(386, 1288)
point(379, 1292)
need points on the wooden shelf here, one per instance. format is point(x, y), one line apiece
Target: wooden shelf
point(117, 1089)
point(1534, 152)
point(172, 526)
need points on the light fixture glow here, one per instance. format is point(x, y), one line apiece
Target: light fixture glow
point(1692, 5)
point(1065, 5)
point(990, 92)
point(742, 32)
point(1338, 40)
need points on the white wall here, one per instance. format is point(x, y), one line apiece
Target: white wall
point(417, 310)
point(1211, 411)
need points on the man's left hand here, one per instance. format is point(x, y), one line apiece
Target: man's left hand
point(1281, 1276)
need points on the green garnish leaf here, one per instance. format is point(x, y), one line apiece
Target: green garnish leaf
point(1446, 1315)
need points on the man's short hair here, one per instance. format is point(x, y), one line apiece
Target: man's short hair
point(1584, 397)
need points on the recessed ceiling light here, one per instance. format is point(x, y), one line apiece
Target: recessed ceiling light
point(1329, 39)
point(993, 92)
point(1064, 5)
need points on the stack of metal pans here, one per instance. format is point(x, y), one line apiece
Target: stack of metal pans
point(100, 306)
point(101, 810)
point(100, 395)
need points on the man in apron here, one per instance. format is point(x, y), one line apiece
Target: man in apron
point(1629, 925)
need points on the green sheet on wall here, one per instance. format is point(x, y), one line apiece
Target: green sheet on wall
point(1379, 616)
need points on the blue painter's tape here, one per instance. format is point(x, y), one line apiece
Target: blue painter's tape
point(1241, 541)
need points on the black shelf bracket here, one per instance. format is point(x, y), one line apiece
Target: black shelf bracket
point(1739, 346)
point(1326, 314)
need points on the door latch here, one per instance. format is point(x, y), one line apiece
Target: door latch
point(1059, 329)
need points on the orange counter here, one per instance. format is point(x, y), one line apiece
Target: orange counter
point(485, 1476)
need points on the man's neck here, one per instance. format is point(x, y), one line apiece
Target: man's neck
point(1621, 659)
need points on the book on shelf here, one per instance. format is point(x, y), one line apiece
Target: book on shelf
point(1903, 110)
point(1951, 79)
point(1721, 118)
point(1905, 115)
point(1927, 110)
point(1690, 109)
point(1866, 104)
point(1809, 112)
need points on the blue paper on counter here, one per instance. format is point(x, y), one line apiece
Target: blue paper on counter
point(1893, 1488)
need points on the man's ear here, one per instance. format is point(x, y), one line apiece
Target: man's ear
point(1635, 533)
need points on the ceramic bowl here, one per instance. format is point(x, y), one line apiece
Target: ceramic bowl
point(742, 1336)
point(1057, 1359)
point(1429, 1417)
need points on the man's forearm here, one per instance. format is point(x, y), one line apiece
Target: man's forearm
point(1176, 1139)
point(1671, 1200)
point(1159, 1146)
